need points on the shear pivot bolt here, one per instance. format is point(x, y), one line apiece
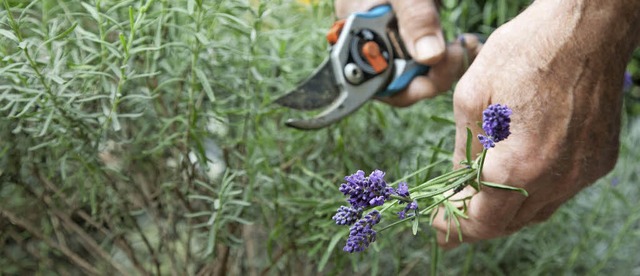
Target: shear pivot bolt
point(353, 73)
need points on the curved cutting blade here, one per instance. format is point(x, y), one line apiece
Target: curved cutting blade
point(317, 91)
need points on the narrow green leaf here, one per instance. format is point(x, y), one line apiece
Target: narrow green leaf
point(240, 220)
point(211, 241)
point(469, 142)
point(443, 120)
point(47, 122)
point(131, 20)
point(502, 11)
point(62, 34)
point(327, 254)
point(416, 224)
point(123, 41)
point(198, 214)
point(191, 6)
point(9, 35)
point(238, 202)
point(505, 187)
point(92, 11)
point(205, 84)
point(202, 197)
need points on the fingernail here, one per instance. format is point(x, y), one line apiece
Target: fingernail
point(428, 47)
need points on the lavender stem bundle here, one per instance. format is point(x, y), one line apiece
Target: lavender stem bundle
point(373, 196)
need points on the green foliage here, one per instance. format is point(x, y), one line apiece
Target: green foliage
point(139, 137)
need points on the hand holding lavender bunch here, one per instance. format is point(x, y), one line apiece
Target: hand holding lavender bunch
point(373, 195)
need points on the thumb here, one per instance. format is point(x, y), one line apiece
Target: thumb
point(419, 26)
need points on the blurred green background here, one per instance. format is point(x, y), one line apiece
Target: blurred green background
point(139, 137)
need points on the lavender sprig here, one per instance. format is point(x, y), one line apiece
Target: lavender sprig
point(373, 192)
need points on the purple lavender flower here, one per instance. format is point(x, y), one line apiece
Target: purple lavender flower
point(495, 123)
point(362, 234)
point(364, 191)
point(628, 81)
point(347, 215)
point(487, 143)
point(411, 206)
point(403, 189)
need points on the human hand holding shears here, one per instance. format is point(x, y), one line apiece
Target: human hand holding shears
point(370, 58)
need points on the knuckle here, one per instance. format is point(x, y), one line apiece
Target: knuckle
point(465, 98)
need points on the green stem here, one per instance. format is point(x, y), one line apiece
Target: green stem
point(444, 178)
point(480, 166)
point(402, 198)
point(460, 181)
point(422, 212)
point(395, 183)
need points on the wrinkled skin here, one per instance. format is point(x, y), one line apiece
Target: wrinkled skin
point(559, 65)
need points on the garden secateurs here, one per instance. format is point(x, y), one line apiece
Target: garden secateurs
point(367, 59)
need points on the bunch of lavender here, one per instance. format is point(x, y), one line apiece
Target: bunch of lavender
point(373, 195)
point(366, 193)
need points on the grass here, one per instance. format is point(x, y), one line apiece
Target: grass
point(139, 137)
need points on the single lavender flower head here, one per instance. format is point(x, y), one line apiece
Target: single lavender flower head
point(364, 191)
point(403, 189)
point(486, 142)
point(362, 234)
point(347, 215)
point(495, 123)
point(411, 206)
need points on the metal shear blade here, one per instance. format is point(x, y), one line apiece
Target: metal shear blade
point(361, 64)
point(318, 91)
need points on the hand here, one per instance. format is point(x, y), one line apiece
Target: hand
point(419, 26)
point(418, 23)
point(559, 67)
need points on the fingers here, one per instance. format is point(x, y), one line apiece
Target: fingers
point(421, 87)
point(419, 26)
point(490, 211)
point(441, 76)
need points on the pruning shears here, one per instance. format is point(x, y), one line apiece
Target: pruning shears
point(367, 58)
